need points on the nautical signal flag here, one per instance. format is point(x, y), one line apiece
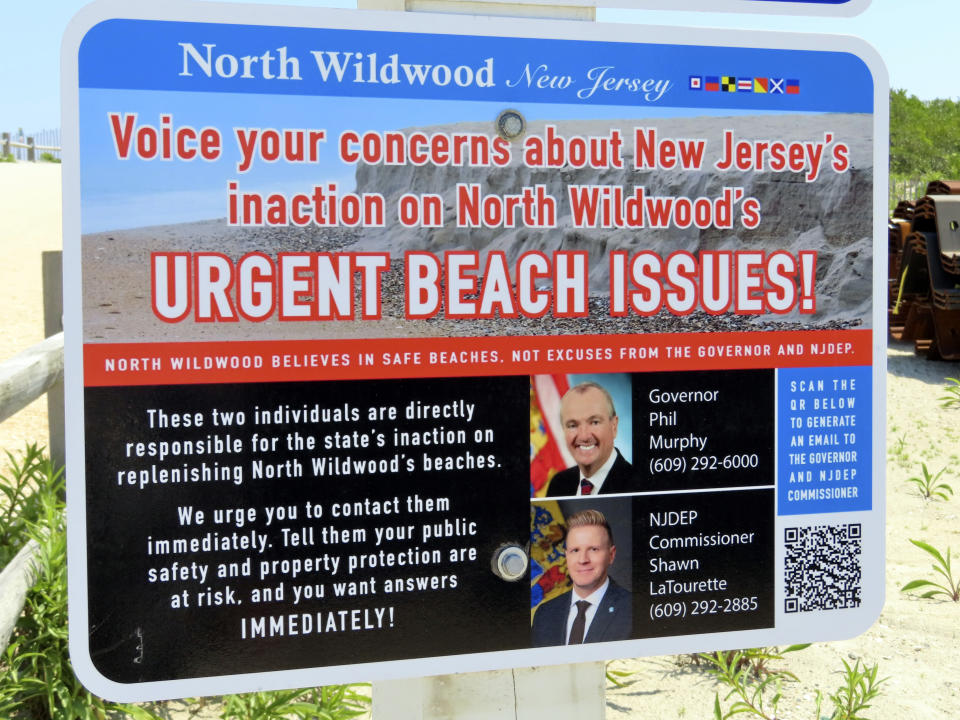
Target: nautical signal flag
point(730, 83)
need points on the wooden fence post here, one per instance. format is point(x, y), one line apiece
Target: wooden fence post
point(6, 144)
point(53, 324)
point(31, 150)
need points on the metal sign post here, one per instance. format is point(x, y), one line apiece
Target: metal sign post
point(578, 690)
point(399, 346)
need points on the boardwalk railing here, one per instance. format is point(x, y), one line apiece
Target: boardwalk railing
point(27, 147)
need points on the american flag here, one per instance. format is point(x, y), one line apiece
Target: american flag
point(548, 452)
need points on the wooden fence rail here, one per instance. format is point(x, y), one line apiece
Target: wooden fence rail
point(23, 378)
point(29, 374)
point(16, 579)
point(29, 143)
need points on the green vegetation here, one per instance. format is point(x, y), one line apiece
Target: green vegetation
point(898, 451)
point(924, 138)
point(7, 158)
point(337, 702)
point(20, 507)
point(952, 398)
point(37, 681)
point(757, 660)
point(941, 566)
point(901, 444)
point(618, 678)
point(860, 687)
point(49, 157)
point(36, 677)
point(930, 485)
point(755, 688)
point(752, 681)
point(752, 694)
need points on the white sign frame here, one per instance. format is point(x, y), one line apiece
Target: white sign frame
point(828, 628)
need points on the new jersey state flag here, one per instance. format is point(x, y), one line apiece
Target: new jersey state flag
point(548, 563)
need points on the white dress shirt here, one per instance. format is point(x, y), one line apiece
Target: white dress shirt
point(594, 599)
point(600, 475)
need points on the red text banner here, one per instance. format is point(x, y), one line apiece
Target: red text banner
point(111, 364)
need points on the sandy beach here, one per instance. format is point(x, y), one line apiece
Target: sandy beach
point(914, 641)
point(30, 212)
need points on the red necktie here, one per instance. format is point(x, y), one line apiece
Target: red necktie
point(586, 487)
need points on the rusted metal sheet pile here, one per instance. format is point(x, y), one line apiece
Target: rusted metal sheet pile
point(924, 271)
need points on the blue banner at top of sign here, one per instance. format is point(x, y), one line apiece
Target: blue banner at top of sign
point(202, 57)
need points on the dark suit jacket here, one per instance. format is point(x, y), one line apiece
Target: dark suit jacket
point(613, 620)
point(620, 479)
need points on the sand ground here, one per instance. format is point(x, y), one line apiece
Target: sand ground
point(29, 224)
point(914, 641)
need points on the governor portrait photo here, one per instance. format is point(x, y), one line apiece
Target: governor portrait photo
point(580, 444)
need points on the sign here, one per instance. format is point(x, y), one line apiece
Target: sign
point(836, 8)
point(345, 291)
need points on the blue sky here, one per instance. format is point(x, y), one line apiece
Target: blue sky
point(30, 51)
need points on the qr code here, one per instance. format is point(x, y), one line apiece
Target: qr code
point(822, 569)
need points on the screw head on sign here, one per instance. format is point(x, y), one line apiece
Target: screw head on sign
point(510, 562)
point(510, 125)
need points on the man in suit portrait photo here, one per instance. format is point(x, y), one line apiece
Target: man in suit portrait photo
point(595, 609)
point(590, 422)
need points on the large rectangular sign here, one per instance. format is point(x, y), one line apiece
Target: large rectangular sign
point(396, 348)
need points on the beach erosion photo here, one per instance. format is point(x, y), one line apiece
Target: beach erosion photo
point(829, 215)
